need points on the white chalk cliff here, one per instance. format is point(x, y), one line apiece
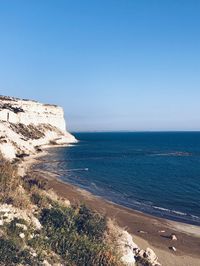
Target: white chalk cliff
point(27, 125)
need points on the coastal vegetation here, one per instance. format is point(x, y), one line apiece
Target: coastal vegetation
point(65, 234)
point(37, 227)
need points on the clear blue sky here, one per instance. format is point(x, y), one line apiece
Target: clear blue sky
point(112, 65)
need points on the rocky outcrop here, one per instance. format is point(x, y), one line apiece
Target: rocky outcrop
point(26, 125)
point(9, 213)
point(146, 257)
point(130, 253)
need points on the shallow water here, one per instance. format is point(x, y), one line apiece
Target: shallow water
point(157, 173)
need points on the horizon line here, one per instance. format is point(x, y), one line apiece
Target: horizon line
point(134, 131)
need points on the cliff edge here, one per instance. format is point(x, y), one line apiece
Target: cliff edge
point(27, 125)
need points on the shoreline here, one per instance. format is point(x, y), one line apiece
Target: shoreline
point(147, 230)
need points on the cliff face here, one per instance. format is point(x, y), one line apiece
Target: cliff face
point(25, 125)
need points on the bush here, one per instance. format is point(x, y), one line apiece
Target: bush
point(12, 228)
point(11, 254)
point(76, 234)
point(90, 223)
point(8, 252)
point(40, 200)
point(57, 219)
point(84, 251)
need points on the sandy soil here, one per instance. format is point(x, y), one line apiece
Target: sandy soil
point(147, 231)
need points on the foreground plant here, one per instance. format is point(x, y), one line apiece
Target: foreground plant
point(69, 235)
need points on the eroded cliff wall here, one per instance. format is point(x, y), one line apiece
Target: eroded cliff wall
point(26, 125)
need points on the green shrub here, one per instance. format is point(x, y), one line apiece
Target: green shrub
point(90, 223)
point(81, 250)
point(57, 219)
point(12, 229)
point(40, 244)
point(76, 234)
point(11, 254)
point(8, 252)
point(37, 199)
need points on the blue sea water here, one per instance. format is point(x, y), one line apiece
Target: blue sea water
point(153, 172)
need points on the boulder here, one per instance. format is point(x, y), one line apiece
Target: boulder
point(128, 259)
point(131, 254)
point(173, 249)
point(124, 243)
point(127, 246)
point(173, 237)
point(150, 256)
point(22, 235)
point(22, 226)
point(142, 232)
point(147, 257)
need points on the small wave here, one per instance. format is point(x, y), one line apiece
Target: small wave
point(71, 145)
point(172, 211)
point(94, 185)
point(179, 213)
point(160, 208)
point(177, 153)
point(195, 217)
point(75, 169)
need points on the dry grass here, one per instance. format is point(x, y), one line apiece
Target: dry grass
point(8, 177)
point(11, 189)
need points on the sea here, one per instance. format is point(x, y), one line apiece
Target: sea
point(157, 173)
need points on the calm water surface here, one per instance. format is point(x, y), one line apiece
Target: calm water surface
point(157, 173)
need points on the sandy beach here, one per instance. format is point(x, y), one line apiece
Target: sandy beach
point(147, 231)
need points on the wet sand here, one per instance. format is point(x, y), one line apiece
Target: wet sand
point(147, 230)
